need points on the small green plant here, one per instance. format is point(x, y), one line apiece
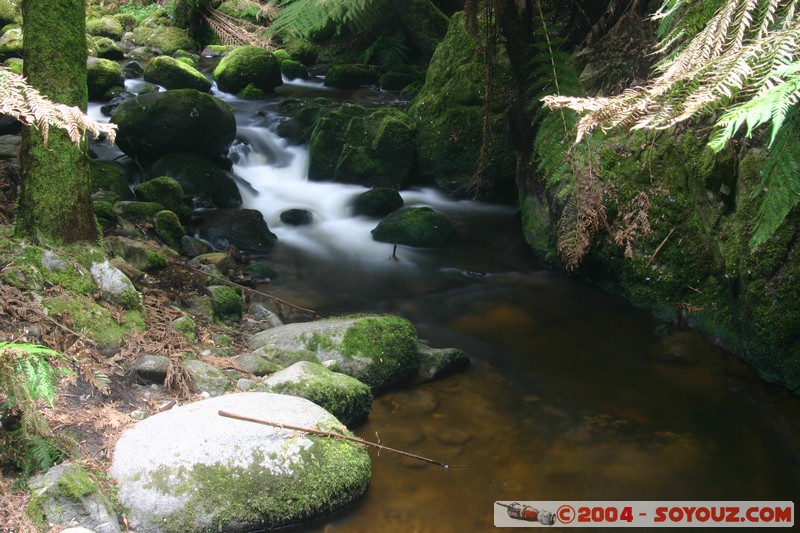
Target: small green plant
point(138, 9)
point(28, 375)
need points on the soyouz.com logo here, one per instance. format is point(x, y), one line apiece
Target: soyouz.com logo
point(644, 514)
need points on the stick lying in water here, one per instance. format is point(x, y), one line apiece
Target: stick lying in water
point(335, 436)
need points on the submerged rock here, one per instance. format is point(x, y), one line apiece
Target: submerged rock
point(439, 362)
point(377, 350)
point(189, 469)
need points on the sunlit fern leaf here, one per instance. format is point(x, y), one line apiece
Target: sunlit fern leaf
point(780, 181)
point(305, 18)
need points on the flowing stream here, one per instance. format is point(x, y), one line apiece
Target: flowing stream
point(571, 395)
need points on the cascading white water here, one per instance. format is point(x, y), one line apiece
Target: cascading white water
point(277, 175)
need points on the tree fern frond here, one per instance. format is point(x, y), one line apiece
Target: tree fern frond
point(304, 18)
point(780, 181)
point(26, 104)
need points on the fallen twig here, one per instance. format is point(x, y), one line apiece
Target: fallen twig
point(658, 248)
point(336, 436)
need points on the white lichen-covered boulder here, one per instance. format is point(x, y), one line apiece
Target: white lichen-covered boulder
point(190, 469)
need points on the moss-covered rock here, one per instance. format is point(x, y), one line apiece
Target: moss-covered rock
point(346, 398)
point(292, 70)
point(199, 177)
point(226, 302)
point(397, 80)
point(350, 76)
point(207, 378)
point(701, 212)
point(449, 115)
point(352, 144)
point(138, 211)
point(377, 350)
point(245, 65)
point(140, 255)
point(14, 64)
point(102, 75)
point(169, 228)
point(189, 469)
point(181, 120)
point(95, 321)
point(171, 73)
point(165, 190)
point(303, 116)
point(127, 21)
point(105, 27)
point(106, 48)
point(251, 92)
point(416, 226)
point(167, 39)
point(11, 43)
point(377, 202)
point(9, 13)
point(67, 494)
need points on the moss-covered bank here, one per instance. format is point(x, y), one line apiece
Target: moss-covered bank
point(695, 267)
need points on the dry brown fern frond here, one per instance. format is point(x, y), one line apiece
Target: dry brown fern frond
point(635, 223)
point(743, 51)
point(237, 32)
point(29, 106)
point(582, 217)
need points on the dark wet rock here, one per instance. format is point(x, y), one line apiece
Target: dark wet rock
point(417, 226)
point(377, 350)
point(248, 65)
point(183, 120)
point(350, 76)
point(151, 367)
point(197, 471)
point(192, 247)
point(243, 228)
point(199, 177)
point(377, 202)
point(345, 397)
point(297, 217)
point(438, 362)
point(102, 75)
point(173, 74)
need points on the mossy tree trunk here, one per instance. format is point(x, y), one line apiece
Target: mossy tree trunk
point(55, 198)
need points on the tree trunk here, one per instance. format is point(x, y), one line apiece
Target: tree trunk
point(55, 198)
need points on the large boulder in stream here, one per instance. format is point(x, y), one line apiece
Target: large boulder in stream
point(248, 65)
point(190, 469)
point(375, 349)
point(373, 147)
point(184, 120)
point(421, 227)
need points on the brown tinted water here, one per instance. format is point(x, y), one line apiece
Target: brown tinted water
point(571, 395)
